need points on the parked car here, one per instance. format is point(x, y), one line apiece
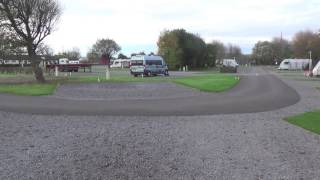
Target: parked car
point(148, 66)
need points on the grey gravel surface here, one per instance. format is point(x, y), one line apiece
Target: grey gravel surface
point(237, 146)
point(123, 91)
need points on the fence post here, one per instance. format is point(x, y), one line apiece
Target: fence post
point(56, 70)
point(107, 72)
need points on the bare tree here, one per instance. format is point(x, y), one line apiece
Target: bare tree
point(10, 46)
point(44, 50)
point(31, 21)
point(233, 51)
point(73, 54)
point(282, 48)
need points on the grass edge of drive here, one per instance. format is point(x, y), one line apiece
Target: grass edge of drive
point(50, 87)
point(195, 82)
point(309, 121)
point(29, 89)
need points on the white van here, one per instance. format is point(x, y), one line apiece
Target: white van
point(148, 65)
point(316, 70)
point(294, 64)
point(230, 63)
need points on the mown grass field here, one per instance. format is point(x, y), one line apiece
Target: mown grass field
point(309, 121)
point(29, 89)
point(207, 83)
point(4, 75)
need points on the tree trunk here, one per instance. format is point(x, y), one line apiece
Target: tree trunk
point(38, 72)
point(35, 64)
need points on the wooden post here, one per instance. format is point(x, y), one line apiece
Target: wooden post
point(107, 72)
point(56, 71)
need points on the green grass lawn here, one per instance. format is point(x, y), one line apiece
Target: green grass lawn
point(309, 121)
point(4, 75)
point(209, 83)
point(28, 89)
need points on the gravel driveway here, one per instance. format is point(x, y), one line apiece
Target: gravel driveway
point(238, 146)
point(123, 91)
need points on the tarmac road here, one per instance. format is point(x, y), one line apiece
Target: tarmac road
point(258, 91)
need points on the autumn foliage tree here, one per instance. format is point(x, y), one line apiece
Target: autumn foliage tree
point(304, 42)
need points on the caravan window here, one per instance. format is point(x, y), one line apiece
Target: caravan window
point(286, 62)
point(154, 62)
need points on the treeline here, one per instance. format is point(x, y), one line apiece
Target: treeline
point(270, 52)
point(181, 48)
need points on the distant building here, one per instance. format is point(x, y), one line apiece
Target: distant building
point(25, 60)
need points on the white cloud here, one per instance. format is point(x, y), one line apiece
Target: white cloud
point(139, 22)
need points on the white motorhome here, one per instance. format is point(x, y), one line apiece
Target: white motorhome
point(294, 64)
point(148, 65)
point(120, 63)
point(67, 61)
point(230, 63)
point(316, 70)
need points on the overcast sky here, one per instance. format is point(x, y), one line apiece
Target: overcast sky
point(136, 24)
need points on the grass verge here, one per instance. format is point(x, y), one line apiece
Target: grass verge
point(28, 89)
point(309, 121)
point(209, 83)
point(5, 75)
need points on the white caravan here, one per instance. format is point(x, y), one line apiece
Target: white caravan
point(230, 63)
point(120, 63)
point(74, 62)
point(63, 61)
point(316, 70)
point(294, 64)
